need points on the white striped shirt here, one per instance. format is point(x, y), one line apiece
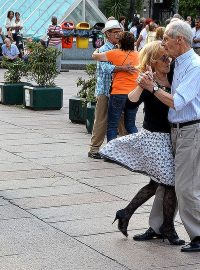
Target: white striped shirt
point(55, 29)
point(186, 88)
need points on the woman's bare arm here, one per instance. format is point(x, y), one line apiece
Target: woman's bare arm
point(99, 56)
point(135, 94)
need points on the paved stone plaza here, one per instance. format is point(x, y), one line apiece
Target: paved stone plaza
point(57, 205)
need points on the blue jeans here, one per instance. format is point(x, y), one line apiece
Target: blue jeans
point(118, 104)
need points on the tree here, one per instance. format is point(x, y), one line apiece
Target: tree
point(119, 8)
point(115, 8)
point(139, 5)
point(132, 9)
point(189, 7)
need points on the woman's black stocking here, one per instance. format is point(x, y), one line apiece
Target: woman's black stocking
point(143, 195)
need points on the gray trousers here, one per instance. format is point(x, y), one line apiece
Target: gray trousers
point(58, 59)
point(156, 214)
point(186, 145)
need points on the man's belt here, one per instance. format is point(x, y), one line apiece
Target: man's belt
point(180, 125)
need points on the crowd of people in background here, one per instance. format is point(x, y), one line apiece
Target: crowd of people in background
point(12, 43)
point(11, 37)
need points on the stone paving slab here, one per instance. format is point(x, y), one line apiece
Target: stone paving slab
point(184, 267)
point(3, 202)
point(4, 176)
point(95, 173)
point(73, 212)
point(43, 247)
point(64, 200)
point(117, 181)
point(36, 182)
point(56, 147)
point(125, 191)
point(45, 191)
point(102, 225)
point(25, 166)
point(5, 155)
point(87, 166)
point(12, 130)
point(60, 159)
point(28, 142)
point(27, 135)
point(9, 211)
point(51, 154)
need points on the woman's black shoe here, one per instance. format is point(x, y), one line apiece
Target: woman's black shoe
point(172, 236)
point(123, 221)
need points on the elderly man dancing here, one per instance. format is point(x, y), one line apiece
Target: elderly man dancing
point(184, 116)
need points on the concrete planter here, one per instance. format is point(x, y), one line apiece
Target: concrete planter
point(43, 98)
point(11, 93)
point(77, 110)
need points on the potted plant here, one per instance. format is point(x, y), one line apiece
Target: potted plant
point(82, 107)
point(12, 88)
point(42, 69)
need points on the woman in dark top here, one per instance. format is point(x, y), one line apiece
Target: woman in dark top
point(149, 151)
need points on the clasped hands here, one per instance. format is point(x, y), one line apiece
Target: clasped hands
point(145, 80)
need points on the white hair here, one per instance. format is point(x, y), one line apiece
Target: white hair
point(7, 39)
point(180, 28)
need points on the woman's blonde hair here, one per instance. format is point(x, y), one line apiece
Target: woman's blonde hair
point(149, 54)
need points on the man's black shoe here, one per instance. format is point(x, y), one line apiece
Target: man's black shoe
point(148, 235)
point(194, 246)
point(94, 155)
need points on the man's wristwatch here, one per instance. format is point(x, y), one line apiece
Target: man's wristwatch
point(155, 89)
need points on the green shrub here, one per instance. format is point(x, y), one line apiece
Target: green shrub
point(87, 90)
point(42, 65)
point(15, 70)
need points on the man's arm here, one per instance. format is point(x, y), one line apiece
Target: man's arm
point(138, 41)
point(109, 68)
point(99, 56)
point(126, 68)
point(165, 98)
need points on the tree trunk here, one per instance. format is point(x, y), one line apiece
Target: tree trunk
point(132, 9)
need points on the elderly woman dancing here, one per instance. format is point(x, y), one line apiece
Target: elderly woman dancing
point(149, 151)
